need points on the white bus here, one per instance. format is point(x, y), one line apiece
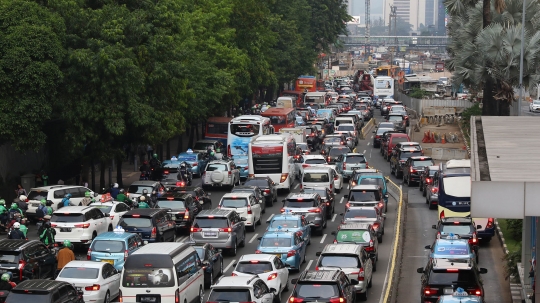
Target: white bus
point(273, 156)
point(241, 130)
point(383, 86)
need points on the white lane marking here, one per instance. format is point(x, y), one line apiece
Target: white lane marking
point(309, 264)
point(371, 137)
point(296, 186)
point(270, 218)
point(323, 237)
point(253, 238)
point(385, 284)
point(334, 217)
point(364, 151)
point(341, 201)
point(229, 266)
point(368, 143)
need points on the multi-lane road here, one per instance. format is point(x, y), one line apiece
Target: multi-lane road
point(418, 233)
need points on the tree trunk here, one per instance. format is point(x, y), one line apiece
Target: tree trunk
point(180, 145)
point(486, 13)
point(119, 172)
point(93, 173)
point(191, 134)
point(489, 103)
point(197, 131)
point(168, 152)
point(101, 175)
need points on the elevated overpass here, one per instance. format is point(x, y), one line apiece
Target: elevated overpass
point(404, 42)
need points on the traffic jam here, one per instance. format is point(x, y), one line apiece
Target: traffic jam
point(287, 207)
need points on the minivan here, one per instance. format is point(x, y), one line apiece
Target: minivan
point(55, 194)
point(153, 225)
point(318, 177)
point(163, 273)
point(114, 247)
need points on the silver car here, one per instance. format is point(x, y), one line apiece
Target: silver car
point(223, 229)
point(365, 215)
point(311, 206)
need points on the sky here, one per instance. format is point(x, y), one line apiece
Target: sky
point(359, 6)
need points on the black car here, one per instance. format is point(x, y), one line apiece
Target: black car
point(45, 291)
point(198, 194)
point(27, 260)
point(442, 276)
point(379, 132)
point(426, 177)
point(212, 261)
point(323, 285)
point(413, 168)
point(267, 186)
point(327, 196)
point(171, 176)
point(182, 207)
point(332, 153)
point(152, 224)
point(400, 124)
point(398, 159)
point(255, 190)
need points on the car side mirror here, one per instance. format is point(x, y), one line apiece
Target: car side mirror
point(373, 131)
point(483, 270)
point(478, 226)
point(354, 282)
point(333, 233)
point(272, 290)
point(420, 270)
point(427, 247)
point(243, 219)
point(259, 238)
point(318, 254)
point(283, 200)
point(234, 264)
point(434, 226)
point(107, 215)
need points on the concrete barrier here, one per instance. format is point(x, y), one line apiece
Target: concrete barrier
point(439, 153)
point(366, 128)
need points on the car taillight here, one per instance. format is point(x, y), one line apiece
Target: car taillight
point(120, 298)
point(283, 178)
point(342, 143)
point(266, 191)
point(367, 164)
point(154, 233)
point(381, 205)
point(282, 210)
point(473, 239)
point(229, 151)
point(316, 210)
point(428, 180)
point(295, 300)
point(233, 275)
point(328, 159)
point(226, 229)
point(477, 292)
point(249, 210)
point(53, 225)
point(353, 183)
point(337, 300)
point(246, 168)
point(258, 252)
point(434, 190)
point(112, 217)
point(291, 253)
point(489, 223)
point(177, 296)
point(186, 215)
point(230, 173)
point(376, 226)
point(429, 291)
point(83, 225)
point(92, 287)
point(361, 274)
point(412, 170)
point(344, 166)
point(336, 178)
point(195, 229)
point(299, 233)
point(194, 164)
point(271, 277)
point(89, 254)
point(441, 216)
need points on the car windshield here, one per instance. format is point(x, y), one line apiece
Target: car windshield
point(314, 292)
point(135, 222)
point(37, 195)
point(355, 159)
point(354, 236)
point(108, 246)
point(536, 102)
point(284, 223)
point(242, 129)
point(206, 222)
point(315, 161)
point(363, 196)
point(338, 261)
point(332, 140)
point(316, 177)
point(456, 229)
point(357, 213)
point(422, 163)
point(229, 295)
point(254, 267)
point(241, 162)
point(187, 158)
point(385, 125)
point(9, 257)
point(276, 242)
point(16, 297)
point(338, 151)
point(381, 131)
point(318, 190)
point(203, 146)
point(303, 146)
point(300, 203)
point(262, 183)
point(104, 208)
point(407, 155)
point(67, 217)
point(138, 189)
point(448, 278)
point(233, 203)
point(79, 273)
point(213, 167)
point(396, 140)
point(173, 204)
point(395, 118)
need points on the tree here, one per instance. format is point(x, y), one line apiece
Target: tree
point(328, 20)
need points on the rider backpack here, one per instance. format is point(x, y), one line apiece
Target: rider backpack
point(40, 213)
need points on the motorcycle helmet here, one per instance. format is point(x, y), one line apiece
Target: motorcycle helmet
point(47, 224)
point(183, 165)
point(2, 202)
point(5, 277)
point(67, 243)
point(212, 153)
point(23, 198)
point(115, 185)
point(154, 156)
point(16, 225)
point(143, 198)
point(122, 190)
point(87, 194)
point(154, 192)
point(14, 206)
point(68, 196)
point(43, 202)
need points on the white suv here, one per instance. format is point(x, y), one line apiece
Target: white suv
point(270, 268)
point(241, 289)
point(54, 193)
point(79, 224)
point(245, 204)
point(309, 161)
point(221, 172)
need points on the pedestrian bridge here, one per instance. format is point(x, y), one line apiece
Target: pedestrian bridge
point(403, 41)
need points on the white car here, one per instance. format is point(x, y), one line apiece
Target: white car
point(338, 179)
point(269, 267)
point(99, 281)
point(310, 161)
point(219, 173)
point(79, 224)
point(115, 210)
point(245, 204)
point(534, 106)
point(55, 194)
point(241, 289)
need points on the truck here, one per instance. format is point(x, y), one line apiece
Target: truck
point(299, 134)
point(439, 66)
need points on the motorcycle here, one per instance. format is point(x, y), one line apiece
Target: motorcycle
point(145, 176)
point(3, 295)
point(185, 178)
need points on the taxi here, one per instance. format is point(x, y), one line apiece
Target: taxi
point(286, 245)
point(460, 296)
point(291, 222)
point(114, 247)
point(453, 247)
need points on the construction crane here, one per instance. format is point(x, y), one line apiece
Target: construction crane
point(368, 24)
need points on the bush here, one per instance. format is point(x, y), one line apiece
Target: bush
point(510, 268)
point(515, 228)
point(418, 93)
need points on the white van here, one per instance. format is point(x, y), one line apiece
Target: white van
point(318, 176)
point(343, 120)
point(163, 272)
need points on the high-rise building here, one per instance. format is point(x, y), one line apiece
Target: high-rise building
point(440, 26)
point(430, 13)
point(410, 11)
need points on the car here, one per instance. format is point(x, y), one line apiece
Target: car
point(405, 145)
point(99, 281)
point(55, 194)
point(79, 224)
point(293, 223)
point(241, 289)
point(460, 296)
point(197, 160)
point(152, 224)
point(322, 176)
point(256, 191)
point(413, 167)
point(346, 163)
point(360, 214)
point(114, 209)
point(49, 291)
point(378, 134)
point(246, 205)
point(392, 139)
point(114, 247)
point(331, 285)
point(464, 227)
point(212, 260)
point(287, 245)
point(426, 177)
point(402, 110)
point(452, 246)
point(353, 181)
point(182, 208)
point(224, 229)
point(432, 195)
point(366, 111)
point(385, 125)
point(243, 168)
point(358, 117)
point(439, 275)
point(338, 179)
point(360, 234)
point(336, 140)
point(334, 152)
point(27, 259)
point(327, 197)
point(366, 195)
point(202, 146)
point(386, 104)
point(398, 160)
point(375, 178)
point(349, 130)
point(267, 186)
point(534, 106)
point(302, 149)
point(219, 173)
point(268, 267)
point(170, 173)
point(487, 232)
point(353, 260)
point(198, 194)
point(311, 206)
point(399, 121)
point(384, 140)
point(135, 190)
point(304, 161)
point(314, 137)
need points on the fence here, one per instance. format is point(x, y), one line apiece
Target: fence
point(420, 104)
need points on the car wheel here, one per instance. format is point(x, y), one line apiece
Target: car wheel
point(338, 190)
point(258, 222)
point(374, 266)
point(420, 186)
point(243, 243)
point(201, 295)
point(110, 228)
point(233, 250)
point(107, 298)
point(379, 239)
point(427, 202)
point(370, 284)
point(363, 297)
point(286, 286)
point(221, 267)
point(424, 191)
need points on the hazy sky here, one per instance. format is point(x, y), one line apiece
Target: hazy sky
point(359, 7)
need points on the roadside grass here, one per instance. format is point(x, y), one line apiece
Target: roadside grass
point(512, 244)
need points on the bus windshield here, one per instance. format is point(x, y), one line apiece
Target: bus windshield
point(245, 129)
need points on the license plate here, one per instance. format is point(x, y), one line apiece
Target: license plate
point(210, 234)
point(108, 261)
point(448, 291)
point(79, 288)
point(35, 204)
point(148, 299)
point(65, 229)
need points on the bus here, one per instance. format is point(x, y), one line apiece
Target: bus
point(387, 71)
point(241, 130)
point(383, 87)
point(273, 156)
point(298, 97)
point(306, 84)
point(280, 117)
point(217, 129)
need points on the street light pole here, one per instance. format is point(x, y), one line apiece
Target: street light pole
point(521, 59)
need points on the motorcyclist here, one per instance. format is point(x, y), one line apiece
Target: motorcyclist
point(211, 155)
point(66, 201)
point(47, 234)
point(23, 227)
point(65, 255)
point(16, 233)
point(3, 212)
point(87, 199)
point(142, 203)
point(115, 190)
point(153, 199)
point(182, 172)
point(145, 194)
point(13, 210)
point(145, 169)
point(154, 162)
point(41, 209)
point(121, 196)
point(22, 203)
point(5, 282)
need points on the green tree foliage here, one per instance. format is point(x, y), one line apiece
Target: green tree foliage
point(328, 20)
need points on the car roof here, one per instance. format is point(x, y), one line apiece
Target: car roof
point(452, 263)
point(342, 248)
point(150, 212)
point(85, 264)
point(365, 187)
point(316, 169)
point(279, 234)
point(108, 203)
point(452, 241)
point(145, 183)
point(302, 195)
point(313, 157)
point(74, 209)
point(348, 226)
point(235, 281)
point(353, 154)
point(421, 158)
point(251, 187)
point(112, 235)
point(39, 285)
point(214, 212)
point(237, 195)
point(51, 187)
point(257, 257)
point(286, 216)
point(453, 220)
point(207, 141)
point(15, 245)
point(319, 275)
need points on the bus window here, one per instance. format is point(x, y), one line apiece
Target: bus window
point(216, 128)
point(245, 129)
point(277, 120)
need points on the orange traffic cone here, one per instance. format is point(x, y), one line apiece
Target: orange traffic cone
point(432, 140)
point(443, 138)
point(426, 137)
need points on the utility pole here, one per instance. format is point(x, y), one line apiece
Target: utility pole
point(393, 11)
point(368, 25)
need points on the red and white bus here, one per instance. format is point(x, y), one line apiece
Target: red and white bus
point(280, 117)
point(217, 128)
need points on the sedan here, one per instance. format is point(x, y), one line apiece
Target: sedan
point(115, 210)
point(196, 160)
point(348, 162)
point(212, 261)
point(534, 106)
point(270, 268)
point(267, 186)
point(198, 194)
point(291, 222)
point(99, 281)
